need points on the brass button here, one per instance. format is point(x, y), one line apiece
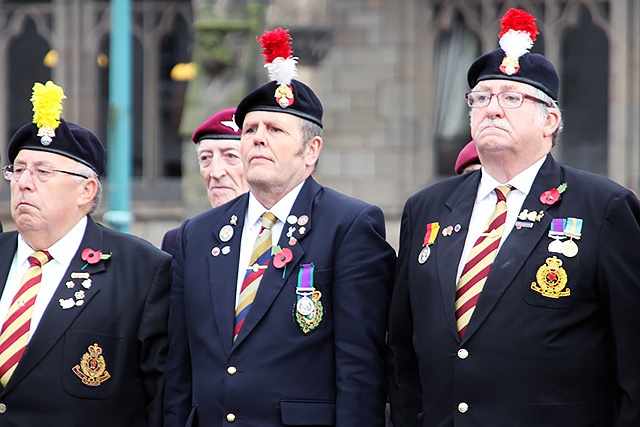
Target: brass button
point(3, 408)
point(463, 407)
point(231, 417)
point(231, 370)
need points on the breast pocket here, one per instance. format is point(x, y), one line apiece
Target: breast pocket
point(91, 364)
point(550, 280)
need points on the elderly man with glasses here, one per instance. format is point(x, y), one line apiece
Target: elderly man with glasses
point(518, 285)
point(83, 308)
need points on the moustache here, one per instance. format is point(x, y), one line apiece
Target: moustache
point(499, 124)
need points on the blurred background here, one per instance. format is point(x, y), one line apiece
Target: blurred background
point(391, 75)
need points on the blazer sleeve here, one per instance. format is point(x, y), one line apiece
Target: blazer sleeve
point(152, 338)
point(406, 399)
point(363, 265)
point(619, 279)
point(177, 402)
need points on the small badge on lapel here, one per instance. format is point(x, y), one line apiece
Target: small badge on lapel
point(92, 369)
point(308, 309)
point(551, 279)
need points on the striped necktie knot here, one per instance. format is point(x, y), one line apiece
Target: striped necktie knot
point(39, 258)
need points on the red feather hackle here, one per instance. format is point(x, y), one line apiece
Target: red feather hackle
point(275, 43)
point(519, 20)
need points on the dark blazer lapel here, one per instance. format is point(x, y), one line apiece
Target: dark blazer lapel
point(274, 276)
point(518, 246)
point(448, 249)
point(8, 246)
point(223, 269)
point(56, 320)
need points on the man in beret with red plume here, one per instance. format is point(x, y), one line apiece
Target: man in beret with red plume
point(280, 297)
point(517, 288)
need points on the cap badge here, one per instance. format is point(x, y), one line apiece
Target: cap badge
point(47, 108)
point(276, 48)
point(518, 33)
point(551, 279)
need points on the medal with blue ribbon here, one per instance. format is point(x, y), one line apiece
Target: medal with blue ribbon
point(573, 230)
point(308, 309)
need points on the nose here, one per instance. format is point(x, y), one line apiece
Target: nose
point(26, 180)
point(494, 109)
point(259, 137)
point(217, 168)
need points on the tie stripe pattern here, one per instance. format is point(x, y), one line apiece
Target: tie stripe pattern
point(15, 329)
point(476, 269)
point(260, 258)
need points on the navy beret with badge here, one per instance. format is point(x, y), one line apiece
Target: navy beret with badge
point(513, 61)
point(49, 132)
point(282, 94)
point(221, 125)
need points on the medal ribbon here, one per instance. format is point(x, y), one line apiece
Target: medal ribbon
point(431, 234)
point(557, 227)
point(573, 228)
point(305, 280)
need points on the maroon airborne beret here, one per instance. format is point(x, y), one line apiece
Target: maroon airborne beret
point(219, 126)
point(467, 156)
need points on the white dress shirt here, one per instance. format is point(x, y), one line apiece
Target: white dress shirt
point(485, 204)
point(253, 224)
point(52, 272)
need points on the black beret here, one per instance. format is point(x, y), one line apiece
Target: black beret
point(305, 103)
point(535, 70)
point(71, 140)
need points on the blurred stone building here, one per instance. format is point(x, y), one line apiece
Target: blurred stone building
point(391, 75)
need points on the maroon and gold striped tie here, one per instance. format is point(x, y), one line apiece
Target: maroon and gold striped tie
point(15, 329)
point(479, 263)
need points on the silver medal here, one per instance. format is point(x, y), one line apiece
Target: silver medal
point(424, 254)
point(305, 306)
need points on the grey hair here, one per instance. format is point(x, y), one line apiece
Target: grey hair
point(309, 130)
point(544, 111)
point(87, 171)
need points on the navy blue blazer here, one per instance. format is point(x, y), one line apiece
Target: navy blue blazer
point(169, 240)
point(125, 313)
point(274, 374)
point(527, 358)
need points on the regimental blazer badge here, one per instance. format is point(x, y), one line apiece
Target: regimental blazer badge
point(551, 279)
point(308, 309)
point(92, 369)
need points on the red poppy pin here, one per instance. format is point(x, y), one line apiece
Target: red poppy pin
point(282, 258)
point(93, 257)
point(550, 197)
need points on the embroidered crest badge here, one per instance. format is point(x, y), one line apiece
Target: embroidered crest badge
point(551, 279)
point(92, 369)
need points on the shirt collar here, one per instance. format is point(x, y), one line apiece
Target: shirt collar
point(521, 182)
point(280, 210)
point(62, 251)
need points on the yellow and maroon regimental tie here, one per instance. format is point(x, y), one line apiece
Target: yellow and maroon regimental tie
point(477, 267)
point(260, 258)
point(15, 329)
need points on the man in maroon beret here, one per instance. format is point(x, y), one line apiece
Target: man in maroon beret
point(468, 159)
point(218, 145)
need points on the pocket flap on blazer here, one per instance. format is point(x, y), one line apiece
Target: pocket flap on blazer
point(308, 412)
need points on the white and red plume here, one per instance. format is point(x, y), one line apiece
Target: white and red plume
point(276, 48)
point(518, 33)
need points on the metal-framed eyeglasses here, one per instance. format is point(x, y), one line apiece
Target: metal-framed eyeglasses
point(509, 100)
point(42, 173)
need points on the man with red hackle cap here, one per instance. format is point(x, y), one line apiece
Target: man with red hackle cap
point(517, 287)
point(280, 298)
point(218, 147)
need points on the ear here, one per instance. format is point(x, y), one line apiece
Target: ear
point(312, 151)
point(87, 192)
point(552, 122)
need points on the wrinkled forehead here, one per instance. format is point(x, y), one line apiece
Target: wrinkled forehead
point(39, 157)
point(218, 145)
